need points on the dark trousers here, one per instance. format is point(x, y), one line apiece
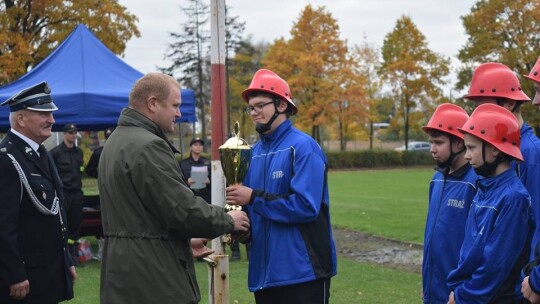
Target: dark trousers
point(204, 193)
point(313, 292)
point(74, 212)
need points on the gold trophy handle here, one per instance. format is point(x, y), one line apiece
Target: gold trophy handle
point(236, 129)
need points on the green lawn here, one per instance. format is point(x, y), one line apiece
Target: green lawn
point(390, 203)
point(355, 283)
point(90, 186)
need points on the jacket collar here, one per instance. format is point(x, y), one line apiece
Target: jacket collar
point(64, 147)
point(283, 128)
point(34, 145)
point(524, 128)
point(24, 148)
point(200, 160)
point(458, 173)
point(496, 181)
point(132, 118)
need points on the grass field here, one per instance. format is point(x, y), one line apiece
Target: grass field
point(355, 283)
point(389, 203)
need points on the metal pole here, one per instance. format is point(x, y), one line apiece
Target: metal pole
point(181, 141)
point(219, 285)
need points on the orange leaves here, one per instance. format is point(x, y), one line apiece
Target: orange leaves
point(502, 31)
point(414, 72)
point(317, 64)
point(31, 29)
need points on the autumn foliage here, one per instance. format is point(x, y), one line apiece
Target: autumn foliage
point(319, 69)
point(414, 72)
point(31, 29)
point(507, 32)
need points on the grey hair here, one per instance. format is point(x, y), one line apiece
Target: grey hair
point(12, 119)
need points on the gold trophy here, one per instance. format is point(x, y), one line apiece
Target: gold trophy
point(235, 155)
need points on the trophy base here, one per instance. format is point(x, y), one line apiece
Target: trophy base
point(228, 208)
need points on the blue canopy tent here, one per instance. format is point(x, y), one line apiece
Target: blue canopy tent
point(89, 84)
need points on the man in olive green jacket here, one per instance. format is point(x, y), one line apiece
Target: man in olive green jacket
point(149, 213)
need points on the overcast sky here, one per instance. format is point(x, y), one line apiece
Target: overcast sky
point(438, 20)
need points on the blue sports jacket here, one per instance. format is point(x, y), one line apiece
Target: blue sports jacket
point(450, 198)
point(529, 170)
point(289, 210)
point(495, 247)
point(529, 173)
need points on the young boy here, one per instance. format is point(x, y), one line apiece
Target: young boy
point(498, 227)
point(451, 192)
point(531, 283)
point(495, 83)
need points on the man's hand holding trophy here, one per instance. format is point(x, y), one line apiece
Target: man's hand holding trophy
point(235, 155)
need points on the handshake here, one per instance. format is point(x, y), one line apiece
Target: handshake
point(241, 230)
point(241, 233)
point(239, 195)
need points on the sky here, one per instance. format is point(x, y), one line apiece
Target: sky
point(438, 20)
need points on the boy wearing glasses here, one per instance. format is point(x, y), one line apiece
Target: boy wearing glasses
point(69, 161)
point(285, 192)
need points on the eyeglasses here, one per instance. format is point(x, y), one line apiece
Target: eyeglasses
point(72, 132)
point(257, 108)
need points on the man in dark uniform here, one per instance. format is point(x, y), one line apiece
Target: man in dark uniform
point(70, 163)
point(92, 167)
point(196, 159)
point(35, 264)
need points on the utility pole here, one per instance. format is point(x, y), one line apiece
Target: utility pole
point(218, 274)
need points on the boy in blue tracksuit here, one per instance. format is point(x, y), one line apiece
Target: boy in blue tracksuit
point(531, 153)
point(495, 83)
point(451, 192)
point(285, 191)
point(497, 232)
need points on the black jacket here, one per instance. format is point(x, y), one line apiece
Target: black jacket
point(186, 166)
point(69, 162)
point(33, 246)
point(92, 167)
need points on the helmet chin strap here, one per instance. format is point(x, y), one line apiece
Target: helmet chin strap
point(488, 169)
point(445, 165)
point(262, 128)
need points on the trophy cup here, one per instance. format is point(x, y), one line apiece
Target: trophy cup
point(235, 155)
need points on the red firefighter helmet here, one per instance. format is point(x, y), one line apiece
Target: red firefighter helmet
point(535, 72)
point(447, 118)
point(496, 126)
point(269, 82)
point(494, 79)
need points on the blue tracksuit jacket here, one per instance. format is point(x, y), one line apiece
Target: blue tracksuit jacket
point(450, 197)
point(495, 247)
point(289, 210)
point(529, 172)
